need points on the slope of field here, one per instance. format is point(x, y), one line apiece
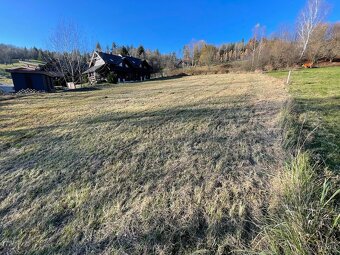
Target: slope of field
point(161, 167)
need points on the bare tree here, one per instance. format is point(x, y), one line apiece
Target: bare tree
point(317, 48)
point(333, 42)
point(192, 51)
point(187, 58)
point(69, 46)
point(197, 49)
point(257, 44)
point(310, 17)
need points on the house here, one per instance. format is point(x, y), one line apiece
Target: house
point(142, 69)
point(125, 67)
point(33, 76)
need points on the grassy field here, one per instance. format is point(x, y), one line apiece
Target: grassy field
point(193, 165)
point(316, 95)
point(176, 166)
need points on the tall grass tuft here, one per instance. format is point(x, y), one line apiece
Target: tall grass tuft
point(304, 213)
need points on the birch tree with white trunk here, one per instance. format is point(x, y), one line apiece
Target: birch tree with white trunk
point(257, 46)
point(310, 17)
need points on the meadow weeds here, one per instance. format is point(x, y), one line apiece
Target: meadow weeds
point(304, 218)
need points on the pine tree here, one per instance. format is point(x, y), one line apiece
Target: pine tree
point(124, 51)
point(114, 47)
point(98, 47)
point(141, 51)
point(40, 55)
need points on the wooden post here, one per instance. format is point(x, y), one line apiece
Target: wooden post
point(288, 78)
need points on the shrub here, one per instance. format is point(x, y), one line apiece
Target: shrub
point(85, 79)
point(112, 78)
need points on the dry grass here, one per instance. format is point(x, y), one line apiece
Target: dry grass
point(199, 70)
point(304, 215)
point(162, 167)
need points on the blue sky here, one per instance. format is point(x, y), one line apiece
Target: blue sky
point(166, 25)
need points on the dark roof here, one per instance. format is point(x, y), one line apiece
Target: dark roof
point(136, 62)
point(110, 58)
point(117, 59)
point(34, 71)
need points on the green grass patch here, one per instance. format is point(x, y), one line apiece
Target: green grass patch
point(304, 214)
point(316, 96)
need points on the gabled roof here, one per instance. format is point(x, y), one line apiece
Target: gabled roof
point(116, 60)
point(137, 62)
point(110, 58)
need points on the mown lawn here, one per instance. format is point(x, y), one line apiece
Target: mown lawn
point(161, 167)
point(316, 94)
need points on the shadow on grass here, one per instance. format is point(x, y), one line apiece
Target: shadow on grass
point(322, 126)
point(166, 162)
point(85, 89)
point(322, 105)
point(173, 77)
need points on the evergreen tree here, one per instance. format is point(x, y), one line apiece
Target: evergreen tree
point(25, 54)
point(114, 48)
point(40, 55)
point(124, 51)
point(98, 47)
point(141, 51)
point(35, 53)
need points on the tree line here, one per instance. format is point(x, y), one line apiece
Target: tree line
point(312, 40)
point(69, 57)
point(10, 53)
point(281, 50)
